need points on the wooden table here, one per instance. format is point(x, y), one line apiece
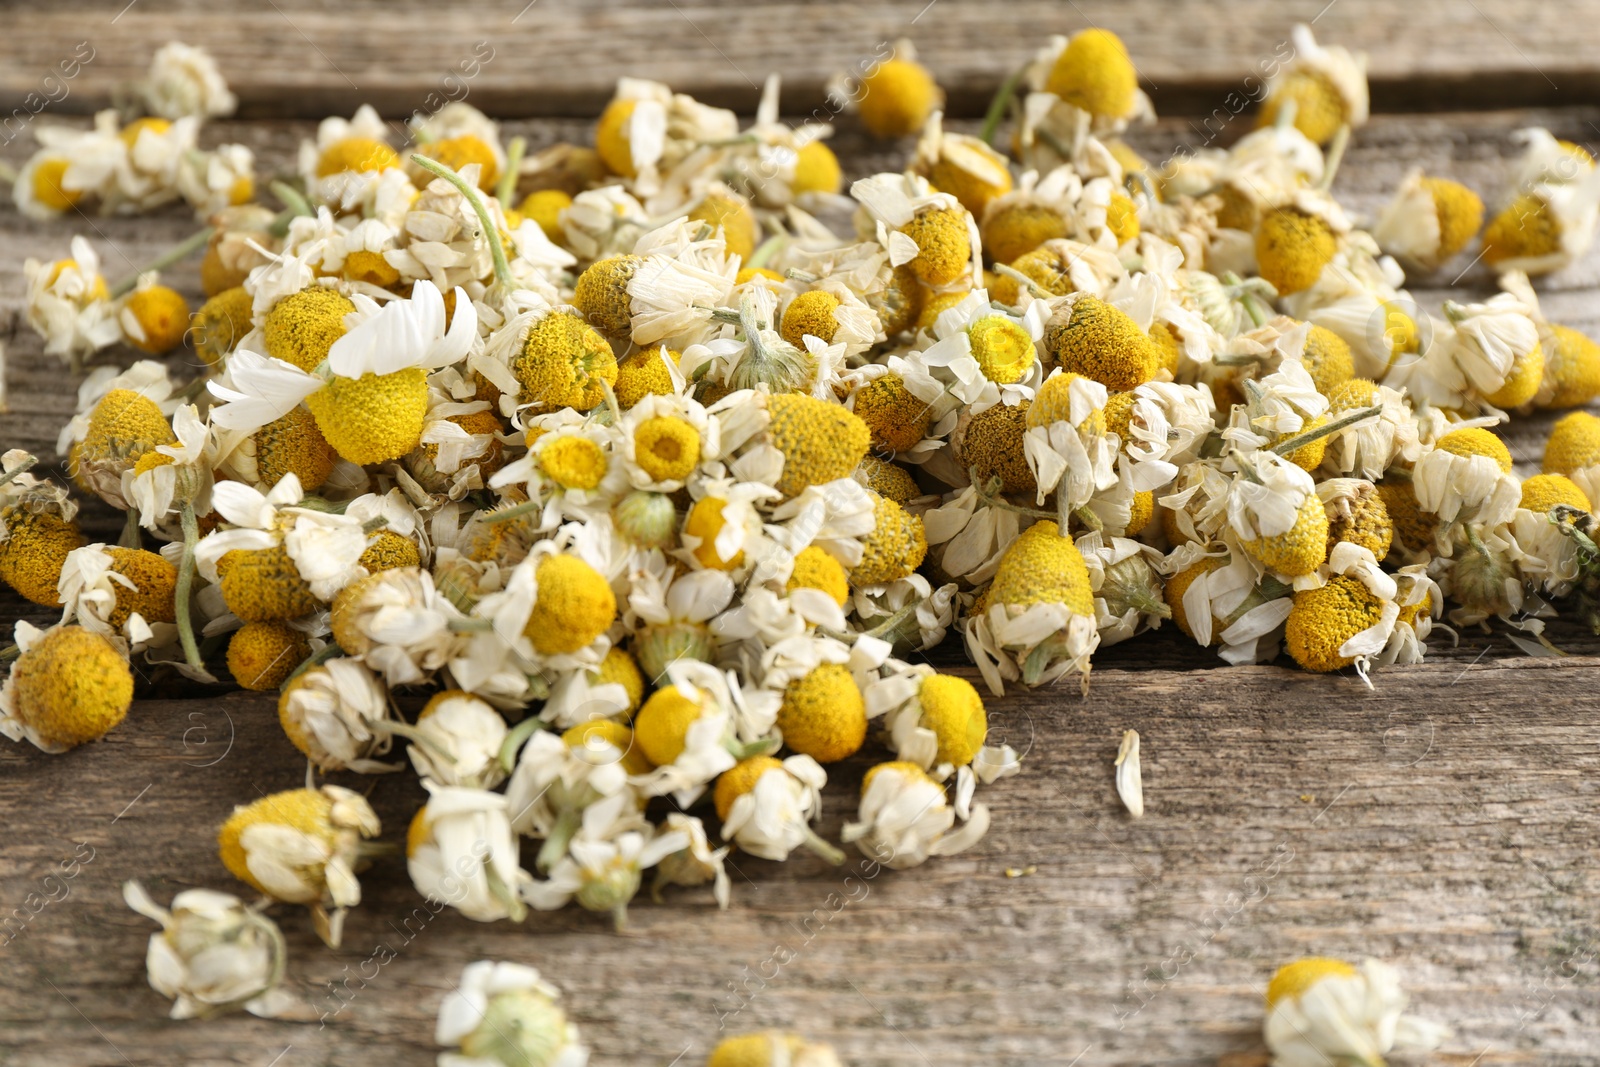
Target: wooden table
point(1445, 822)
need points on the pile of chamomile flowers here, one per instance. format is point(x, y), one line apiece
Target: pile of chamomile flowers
point(649, 470)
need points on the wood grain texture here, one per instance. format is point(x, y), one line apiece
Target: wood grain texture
point(310, 58)
point(1442, 822)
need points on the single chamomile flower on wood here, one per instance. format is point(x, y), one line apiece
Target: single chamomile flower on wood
point(214, 954)
point(460, 850)
point(69, 304)
point(1326, 86)
point(603, 865)
point(1322, 1010)
point(1035, 623)
point(767, 806)
point(1428, 221)
point(505, 1015)
point(67, 687)
point(303, 846)
point(696, 863)
point(336, 714)
point(119, 591)
point(904, 818)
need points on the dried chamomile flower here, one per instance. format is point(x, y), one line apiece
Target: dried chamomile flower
point(1574, 450)
point(124, 426)
point(69, 304)
point(1428, 221)
point(896, 97)
point(1545, 226)
point(1295, 242)
point(1093, 73)
point(926, 231)
point(905, 819)
point(214, 954)
point(68, 686)
point(771, 1048)
point(1322, 1010)
point(118, 591)
point(1354, 617)
point(185, 80)
point(1357, 514)
point(262, 655)
point(302, 846)
point(460, 849)
point(394, 621)
point(505, 1015)
point(38, 531)
point(605, 860)
point(1274, 509)
point(154, 318)
point(1100, 341)
point(337, 713)
point(1036, 621)
point(767, 806)
point(1466, 477)
point(1326, 86)
point(962, 166)
point(696, 863)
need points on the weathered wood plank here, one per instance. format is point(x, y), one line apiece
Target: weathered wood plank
point(1442, 822)
point(555, 57)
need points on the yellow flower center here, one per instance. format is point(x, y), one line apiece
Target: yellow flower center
point(954, 711)
point(573, 462)
point(545, 207)
point(823, 714)
point(706, 521)
point(944, 247)
point(48, 190)
point(374, 418)
point(667, 447)
point(1003, 348)
point(162, 316)
point(575, 605)
point(815, 569)
point(816, 170)
point(1094, 73)
point(897, 98)
point(458, 152)
point(1295, 978)
point(359, 154)
point(810, 313)
point(663, 723)
point(261, 655)
point(70, 688)
point(596, 733)
point(739, 779)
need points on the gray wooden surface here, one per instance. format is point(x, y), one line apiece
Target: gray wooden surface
point(1445, 822)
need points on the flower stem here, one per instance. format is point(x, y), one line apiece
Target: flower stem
point(997, 106)
point(516, 512)
point(1341, 141)
point(769, 248)
point(502, 269)
point(555, 846)
point(823, 848)
point(191, 538)
point(25, 465)
point(182, 250)
point(1299, 441)
point(515, 738)
point(506, 189)
point(1022, 279)
point(130, 530)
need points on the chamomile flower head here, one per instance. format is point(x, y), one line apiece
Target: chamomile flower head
point(1571, 368)
point(1088, 336)
point(302, 846)
point(1326, 85)
point(561, 361)
point(646, 372)
point(730, 213)
point(928, 232)
point(1274, 510)
point(888, 479)
point(69, 303)
point(795, 441)
point(118, 591)
point(897, 96)
point(823, 715)
point(1545, 227)
point(1357, 514)
point(671, 614)
point(301, 328)
point(1326, 357)
point(395, 622)
point(1541, 492)
point(262, 655)
point(771, 1048)
point(574, 605)
point(68, 686)
point(905, 818)
point(1466, 477)
point(220, 324)
point(505, 1015)
point(38, 531)
point(897, 418)
point(1036, 620)
point(457, 741)
point(154, 318)
point(815, 569)
point(1321, 1009)
point(602, 293)
point(460, 849)
point(962, 166)
point(213, 954)
point(1012, 231)
point(767, 805)
point(894, 549)
point(1428, 221)
point(1093, 73)
point(544, 207)
point(1293, 246)
point(124, 426)
point(333, 713)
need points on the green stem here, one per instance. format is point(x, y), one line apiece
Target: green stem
point(989, 495)
point(502, 269)
point(22, 467)
point(997, 106)
point(527, 507)
point(1341, 140)
point(555, 846)
point(182, 250)
point(823, 848)
point(191, 538)
point(130, 530)
point(769, 248)
point(9, 653)
point(1299, 441)
point(515, 738)
point(294, 201)
point(1022, 279)
point(1054, 143)
point(1088, 518)
point(506, 189)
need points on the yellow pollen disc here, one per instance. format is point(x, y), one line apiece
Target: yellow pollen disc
point(356, 154)
point(663, 723)
point(47, 187)
point(1295, 978)
point(667, 447)
point(575, 605)
point(573, 462)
